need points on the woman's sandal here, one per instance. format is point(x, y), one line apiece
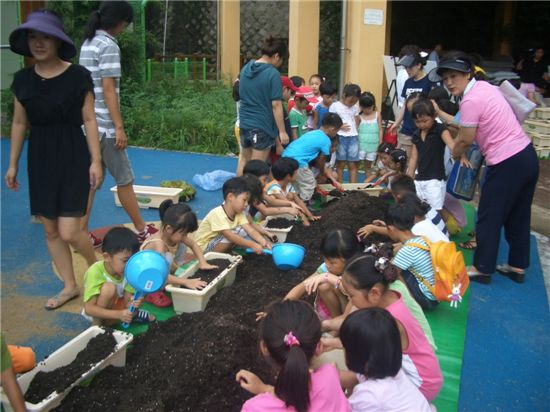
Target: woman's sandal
point(143, 317)
point(477, 276)
point(159, 299)
point(60, 299)
point(469, 244)
point(505, 270)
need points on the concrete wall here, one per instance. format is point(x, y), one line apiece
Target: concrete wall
point(10, 61)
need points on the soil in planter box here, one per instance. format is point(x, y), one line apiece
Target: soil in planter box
point(44, 383)
point(279, 223)
point(189, 362)
point(209, 275)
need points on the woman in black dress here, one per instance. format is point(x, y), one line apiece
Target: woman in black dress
point(55, 98)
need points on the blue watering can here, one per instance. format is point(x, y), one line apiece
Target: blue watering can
point(286, 256)
point(147, 272)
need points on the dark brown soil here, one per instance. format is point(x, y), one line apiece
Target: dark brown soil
point(335, 193)
point(209, 275)
point(279, 223)
point(189, 362)
point(44, 383)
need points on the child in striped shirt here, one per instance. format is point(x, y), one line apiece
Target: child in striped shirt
point(414, 263)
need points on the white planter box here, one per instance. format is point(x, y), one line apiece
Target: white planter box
point(540, 141)
point(189, 300)
point(280, 233)
point(151, 196)
point(542, 113)
point(65, 355)
point(361, 187)
point(536, 126)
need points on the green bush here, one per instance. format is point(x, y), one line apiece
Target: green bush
point(178, 115)
point(7, 110)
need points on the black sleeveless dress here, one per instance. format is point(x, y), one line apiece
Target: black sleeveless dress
point(58, 155)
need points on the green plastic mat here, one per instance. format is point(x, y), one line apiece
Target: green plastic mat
point(449, 330)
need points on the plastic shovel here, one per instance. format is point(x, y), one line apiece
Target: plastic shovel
point(147, 272)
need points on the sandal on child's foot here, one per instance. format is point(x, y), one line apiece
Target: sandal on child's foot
point(60, 299)
point(513, 275)
point(468, 245)
point(143, 316)
point(477, 276)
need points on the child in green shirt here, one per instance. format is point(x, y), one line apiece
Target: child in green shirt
point(107, 296)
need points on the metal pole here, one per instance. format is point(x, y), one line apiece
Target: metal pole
point(204, 69)
point(165, 24)
point(343, 48)
point(148, 78)
point(175, 67)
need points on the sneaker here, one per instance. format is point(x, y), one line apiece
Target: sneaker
point(149, 230)
point(96, 242)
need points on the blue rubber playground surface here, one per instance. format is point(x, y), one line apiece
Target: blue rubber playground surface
point(506, 362)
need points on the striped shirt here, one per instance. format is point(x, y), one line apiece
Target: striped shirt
point(101, 56)
point(437, 220)
point(416, 261)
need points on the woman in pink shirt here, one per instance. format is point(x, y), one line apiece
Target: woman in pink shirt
point(290, 336)
point(512, 168)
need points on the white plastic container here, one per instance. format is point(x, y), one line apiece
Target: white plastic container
point(279, 232)
point(542, 113)
point(65, 355)
point(361, 187)
point(536, 126)
point(189, 300)
point(151, 196)
point(540, 141)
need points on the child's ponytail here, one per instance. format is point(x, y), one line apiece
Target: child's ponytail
point(92, 25)
point(400, 157)
point(178, 216)
point(291, 332)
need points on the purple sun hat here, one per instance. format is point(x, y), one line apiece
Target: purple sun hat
point(45, 22)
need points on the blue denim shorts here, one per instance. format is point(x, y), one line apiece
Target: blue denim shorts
point(348, 149)
point(257, 139)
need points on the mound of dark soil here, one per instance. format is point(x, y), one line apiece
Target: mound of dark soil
point(279, 223)
point(189, 362)
point(44, 383)
point(209, 275)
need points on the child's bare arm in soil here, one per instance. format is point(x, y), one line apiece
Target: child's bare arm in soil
point(252, 383)
point(278, 200)
point(241, 241)
point(376, 226)
point(257, 236)
point(272, 211)
point(191, 244)
point(296, 199)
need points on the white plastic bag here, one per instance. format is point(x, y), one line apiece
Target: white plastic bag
point(212, 180)
point(520, 104)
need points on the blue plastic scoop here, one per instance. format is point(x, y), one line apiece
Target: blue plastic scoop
point(147, 272)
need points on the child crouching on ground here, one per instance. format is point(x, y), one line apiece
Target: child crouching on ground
point(290, 336)
point(172, 241)
point(317, 144)
point(415, 264)
point(226, 226)
point(336, 247)
point(107, 296)
point(284, 173)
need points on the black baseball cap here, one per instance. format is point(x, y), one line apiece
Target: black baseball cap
point(458, 64)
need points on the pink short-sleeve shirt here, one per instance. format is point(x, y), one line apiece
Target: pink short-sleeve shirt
point(499, 135)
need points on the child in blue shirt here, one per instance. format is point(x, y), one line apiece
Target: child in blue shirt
point(317, 144)
point(328, 94)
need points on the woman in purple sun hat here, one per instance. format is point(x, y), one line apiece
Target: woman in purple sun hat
point(53, 100)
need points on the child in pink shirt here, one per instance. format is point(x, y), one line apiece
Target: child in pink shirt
point(366, 282)
point(290, 336)
point(373, 351)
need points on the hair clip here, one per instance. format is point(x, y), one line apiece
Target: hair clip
point(381, 264)
point(291, 340)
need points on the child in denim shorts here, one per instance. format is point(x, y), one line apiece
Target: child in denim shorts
point(348, 146)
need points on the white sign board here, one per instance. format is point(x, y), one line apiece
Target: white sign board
point(373, 17)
